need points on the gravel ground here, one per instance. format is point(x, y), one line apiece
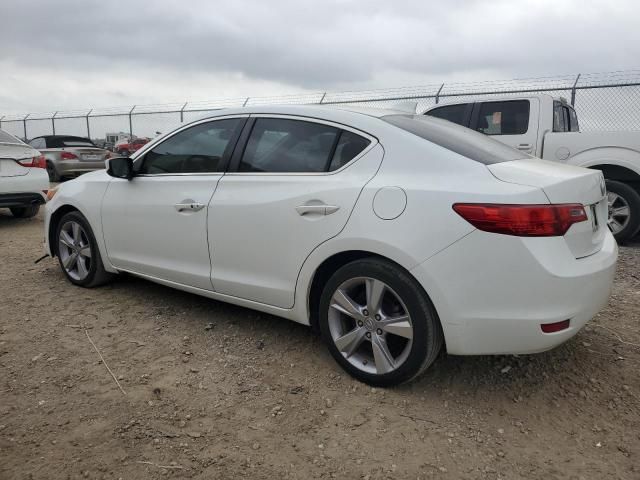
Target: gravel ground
point(217, 391)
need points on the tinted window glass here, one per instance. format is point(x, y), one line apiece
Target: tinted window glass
point(458, 139)
point(63, 142)
point(453, 113)
point(7, 138)
point(349, 146)
point(559, 118)
point(573, 120)
point(38, 143)
point(283, 145)
point(198, 149)
point(504, 118)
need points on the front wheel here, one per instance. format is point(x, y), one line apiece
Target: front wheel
point(624, 210)
point(378, 323)
point(78, 252)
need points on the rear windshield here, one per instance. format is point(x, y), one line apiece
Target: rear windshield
point(464, 141)
point(62, 142)
point(6, 138)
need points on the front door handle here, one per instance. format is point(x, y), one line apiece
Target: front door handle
point(525, 147)
point(189, 206)
point(316, 209)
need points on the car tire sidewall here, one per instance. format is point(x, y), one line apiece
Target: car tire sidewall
point(632, 197)
point(52, 172)
point(95, 253)
point(426, 327)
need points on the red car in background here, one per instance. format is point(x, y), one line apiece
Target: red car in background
point(127, 147)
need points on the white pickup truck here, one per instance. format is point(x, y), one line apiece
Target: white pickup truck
point(547, 127)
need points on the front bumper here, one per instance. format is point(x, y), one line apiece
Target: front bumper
point(492, 292)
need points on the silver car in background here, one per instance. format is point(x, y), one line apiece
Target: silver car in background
point(69, 156)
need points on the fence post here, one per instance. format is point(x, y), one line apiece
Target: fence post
point(53, 123)
point(438, 93)
point(323, 95)
point(131, 121)
point(573, 91)
point(1, 120)
point(245, 102)
point(87, 119)
point(24, 125)
point(182, 112)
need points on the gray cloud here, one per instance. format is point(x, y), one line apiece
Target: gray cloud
point(281, 45)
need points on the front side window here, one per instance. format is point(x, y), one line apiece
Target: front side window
point(297, 146)
point(453, 113)
point(504, 118)
point(560, 123)
point(198, 149)
point(573, 120)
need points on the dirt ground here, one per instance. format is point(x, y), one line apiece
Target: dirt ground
point(215, 391)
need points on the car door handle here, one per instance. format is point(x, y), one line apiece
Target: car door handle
point(189, 206)
point(317, 209)
point(525, 147)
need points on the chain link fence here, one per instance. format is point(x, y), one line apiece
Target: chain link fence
point(604, 101)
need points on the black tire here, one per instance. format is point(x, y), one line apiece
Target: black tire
point(97, 274)
point(25, 212)
point(427, 331)
point(632, 198)
point(54, 176)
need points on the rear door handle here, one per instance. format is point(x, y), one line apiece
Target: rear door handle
point(317, 209)
point(189, 206)
point(525, 147)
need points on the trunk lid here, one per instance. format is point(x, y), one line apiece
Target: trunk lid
point(565, 184)
point(9, 153)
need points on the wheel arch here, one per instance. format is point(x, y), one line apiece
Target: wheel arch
point(619, 173)
point(53, 225)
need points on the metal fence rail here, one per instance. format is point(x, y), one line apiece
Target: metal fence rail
point(604, 101)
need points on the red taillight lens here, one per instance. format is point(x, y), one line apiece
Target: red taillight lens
point(68, 156)
point(35, 162)
point(555, 327)
point(522, 220)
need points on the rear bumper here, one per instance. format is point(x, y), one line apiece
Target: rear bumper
point(8, 200)
point(493, 292)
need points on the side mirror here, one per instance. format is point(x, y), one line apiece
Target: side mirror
point(120, 167)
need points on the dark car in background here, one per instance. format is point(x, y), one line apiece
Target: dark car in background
point(69, 156)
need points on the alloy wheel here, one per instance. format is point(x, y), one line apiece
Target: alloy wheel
point(74, 249)
point(370, 325)
point(619, 212)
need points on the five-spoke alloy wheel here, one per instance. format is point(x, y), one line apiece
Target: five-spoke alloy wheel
point(378, 322)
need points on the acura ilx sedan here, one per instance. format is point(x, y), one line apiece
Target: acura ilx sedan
point(394, 235)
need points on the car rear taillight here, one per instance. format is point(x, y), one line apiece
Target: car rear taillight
point(522, 220)
point(35, 162)
point(68, 156)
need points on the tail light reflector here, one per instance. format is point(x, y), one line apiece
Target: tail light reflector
point(35, 162)
point(522, 220)
point(555, 327)
point(68, 156)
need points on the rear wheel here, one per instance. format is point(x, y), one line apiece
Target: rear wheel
point(52, 172)
point(378, 323)
point(25, 212)
point(78, 252)
point(624, 210)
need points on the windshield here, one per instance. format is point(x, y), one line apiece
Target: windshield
point(464, 141)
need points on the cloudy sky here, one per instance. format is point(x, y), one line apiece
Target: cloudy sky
point(62, 54)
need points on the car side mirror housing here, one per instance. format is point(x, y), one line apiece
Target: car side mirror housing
point(120, 167)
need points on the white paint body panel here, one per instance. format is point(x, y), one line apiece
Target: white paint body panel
point(491, 291)
point(14, 178)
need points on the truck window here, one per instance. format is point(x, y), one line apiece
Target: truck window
point(453, 113)
point(564, 118)
point(573, 120)
point(509, 117)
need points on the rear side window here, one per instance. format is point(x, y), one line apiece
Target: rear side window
point(38, 143)
point(282, 145)
point(461, 140)
point(453, 113)
point(198, 149)
point(503, 118)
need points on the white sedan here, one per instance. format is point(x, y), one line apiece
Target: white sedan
point(23, 177)
point(393, 234)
